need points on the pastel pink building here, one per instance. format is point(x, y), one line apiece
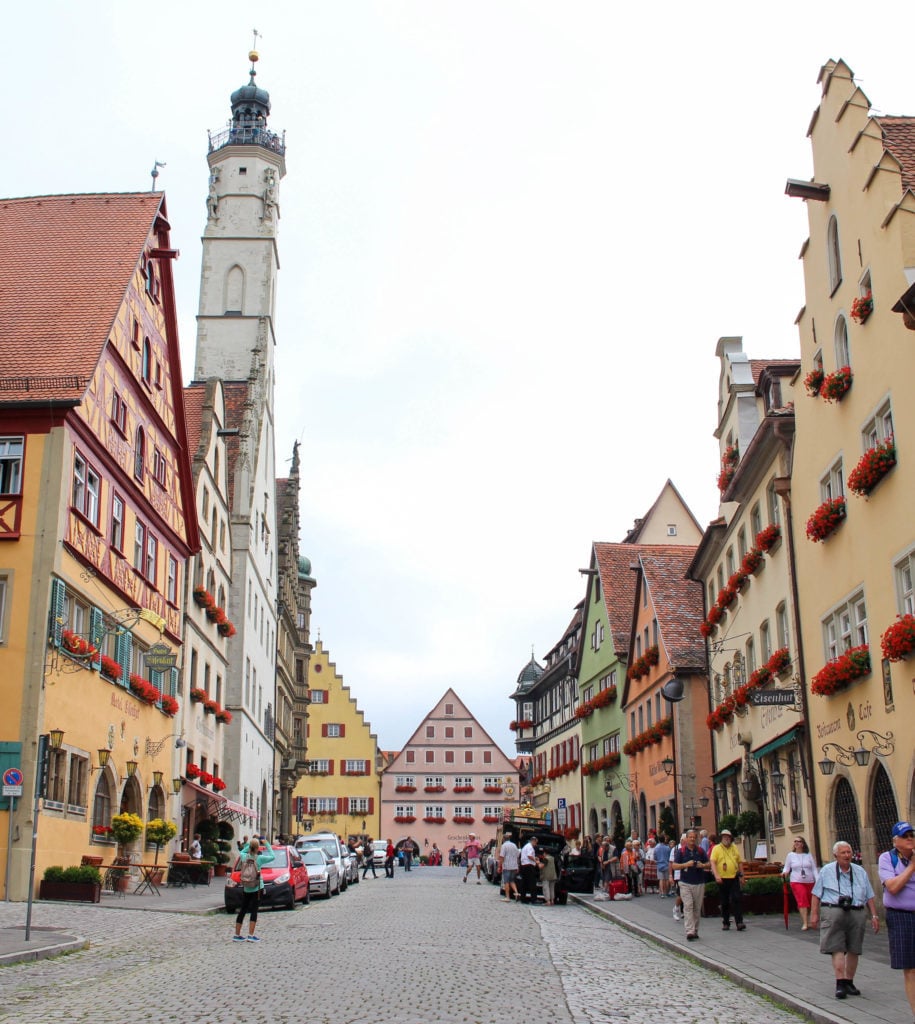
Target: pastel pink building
point(449, 780)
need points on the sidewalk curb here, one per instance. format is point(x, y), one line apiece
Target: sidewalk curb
point(49, 942)
point(792, 1002)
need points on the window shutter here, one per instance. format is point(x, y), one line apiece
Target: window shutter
point(371, 805)
point(58, 594)
point(342, 730)
point(96, 631)
point(330, 766)
point(173, 682)
point(123, 648)
point(341, 802)
point(368, 768)
point(343, 766)
point(324, 729)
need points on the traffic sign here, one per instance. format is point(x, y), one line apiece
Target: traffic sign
point(12, 777)
point(561, 803)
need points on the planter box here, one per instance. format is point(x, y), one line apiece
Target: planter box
point(75, 892)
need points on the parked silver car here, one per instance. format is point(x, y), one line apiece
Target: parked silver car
point(331, 845)
point(323, 877)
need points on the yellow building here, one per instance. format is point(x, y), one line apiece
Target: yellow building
point(96, 518)
point(340, 791)
point(855, 534)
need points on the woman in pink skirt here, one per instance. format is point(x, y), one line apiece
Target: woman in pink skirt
point(801, 870)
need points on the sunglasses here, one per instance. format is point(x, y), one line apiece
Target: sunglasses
point(908, 835)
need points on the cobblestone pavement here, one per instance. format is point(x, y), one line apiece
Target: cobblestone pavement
point(425, 949)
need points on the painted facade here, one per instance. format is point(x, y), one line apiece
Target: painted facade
point(663, 724)
point(448, 780)
point(604, 657)
point(762, 752)
point(855, 578)
point(340, 789)
point(97, 515)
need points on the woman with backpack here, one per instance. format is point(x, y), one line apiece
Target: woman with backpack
point(253, 857)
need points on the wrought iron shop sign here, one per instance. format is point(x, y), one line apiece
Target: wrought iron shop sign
point(160, 658)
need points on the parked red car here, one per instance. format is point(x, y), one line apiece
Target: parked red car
point(285, 881)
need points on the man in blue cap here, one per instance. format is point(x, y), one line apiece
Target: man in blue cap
point(897, 875)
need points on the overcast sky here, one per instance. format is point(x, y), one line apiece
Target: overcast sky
point(511, 235)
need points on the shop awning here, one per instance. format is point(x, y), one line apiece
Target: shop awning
point(204, 797)
point(780, 741)
point(231, 811)
point(727, 772)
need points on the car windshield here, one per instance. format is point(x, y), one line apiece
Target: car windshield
point(313, 857)
point(327, 845)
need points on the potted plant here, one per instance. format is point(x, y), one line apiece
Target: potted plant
point(160, 832)
point(126, 829)
point(203, 598)
point(898, 641)
point(197, 695)
point(835, 675)
point(81, 884)
point(110, 668)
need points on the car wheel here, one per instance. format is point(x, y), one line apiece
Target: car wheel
point(291, 904)
point(343, 886)
point(327, 892)
point(306, 899)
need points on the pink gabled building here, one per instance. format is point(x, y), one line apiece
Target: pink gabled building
point(450, 779)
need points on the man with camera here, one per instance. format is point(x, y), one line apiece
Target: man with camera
point(846, 896)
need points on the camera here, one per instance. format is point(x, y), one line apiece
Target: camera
point(844, 902)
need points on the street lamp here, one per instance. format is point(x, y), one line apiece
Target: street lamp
point(622, 780)
point(860, 755)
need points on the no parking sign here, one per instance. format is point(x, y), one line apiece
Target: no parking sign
point(12, 782)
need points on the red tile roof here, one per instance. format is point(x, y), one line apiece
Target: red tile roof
point(65, 264)
point(194, 397)
point(677, 602)
point(899, 139)
point(617, 581)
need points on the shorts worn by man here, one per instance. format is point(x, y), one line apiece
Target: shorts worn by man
point(472, 852)
point(844, 893)
point(897, 876)
point(725, 861)
point(509, 863)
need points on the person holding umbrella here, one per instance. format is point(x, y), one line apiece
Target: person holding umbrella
point(801, 872)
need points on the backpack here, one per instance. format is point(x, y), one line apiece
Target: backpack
point(250, 875)
point(367, 850)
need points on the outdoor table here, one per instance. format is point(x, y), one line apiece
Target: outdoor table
point(189, 872)
point(147, 875)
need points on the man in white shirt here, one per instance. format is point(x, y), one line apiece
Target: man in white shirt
point(530, 864)
point(509, 862)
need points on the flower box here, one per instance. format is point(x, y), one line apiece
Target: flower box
point(524, 723)
point(144, 689)
point(836, 385)
point(198, 696)
point(898, 641)
point(460, 819)
point(226, 628)
point(210, 707)
point(433, 789)
point(780, 663)
point(405, 789)
point(492, 789)
point(404, 819)
point(169, 706)
point(813, 382)
point(872, 467)
point(767, 539)
point(224, 716)
point(862, 307)
point(433, 821)
point(835, 675)
point(75, 892)
point(463, 789)
point(110, 668)
point(203, 597)
point(729, 460)
point(191, 770)
point(825, 519)
point(649, 737)
point(753, 562)
point(490, 819)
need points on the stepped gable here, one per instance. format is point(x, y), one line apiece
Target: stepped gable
point(677, 602)
point(55, 318)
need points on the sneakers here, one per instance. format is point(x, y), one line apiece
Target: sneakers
point(253, 938)
point(678, 914)
point(238, 938)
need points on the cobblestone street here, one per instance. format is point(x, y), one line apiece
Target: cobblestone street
point(425, 949)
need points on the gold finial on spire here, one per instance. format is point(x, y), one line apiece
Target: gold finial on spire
point(253, 55)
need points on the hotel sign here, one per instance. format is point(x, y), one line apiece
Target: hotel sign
point(761, 698)
point(160, 658)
